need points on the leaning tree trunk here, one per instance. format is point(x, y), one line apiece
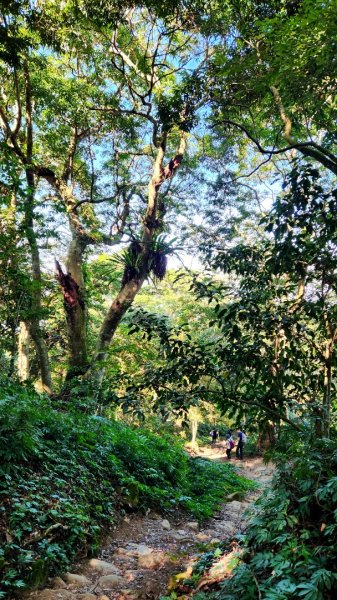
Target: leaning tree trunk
point(130, 289)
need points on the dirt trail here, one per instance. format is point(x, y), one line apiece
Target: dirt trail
point(144, 552)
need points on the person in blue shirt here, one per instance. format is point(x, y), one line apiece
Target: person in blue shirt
point(239, 447)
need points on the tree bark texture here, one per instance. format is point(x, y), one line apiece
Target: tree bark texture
point(23, 352)
point(34, 326)
point(327, 388)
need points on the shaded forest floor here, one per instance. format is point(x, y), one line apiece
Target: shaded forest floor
point(147, 555)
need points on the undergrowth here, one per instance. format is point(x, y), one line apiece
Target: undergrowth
point(290, 548)
point(64, 476)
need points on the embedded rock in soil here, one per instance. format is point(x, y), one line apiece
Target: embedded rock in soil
point(228, 528)
point(194, 525)
point(135, 550)
point(75, 580)
point(151, 561)
point(110, 582)
point(181, 538)
point(131, 575)
point(58, 584)
point(202, 537)
point(104, 567)
point(234, 506)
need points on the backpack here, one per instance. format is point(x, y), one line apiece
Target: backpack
point(231, 444)
point(244, 438)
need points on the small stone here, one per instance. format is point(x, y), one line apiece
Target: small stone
point(102, 566)
point(193, 525)
point(202, 537)
point(215, 541)
point(181, 538)
point(75, 580)
point(181, 532)
point(131, 594)
point(58, 584)
point(166, 524)
point(110, 582)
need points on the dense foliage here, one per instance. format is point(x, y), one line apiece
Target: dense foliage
point(65, 476)
point(289, 549)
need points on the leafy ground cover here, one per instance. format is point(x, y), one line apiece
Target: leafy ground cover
point(64, 477)
point(290, 548)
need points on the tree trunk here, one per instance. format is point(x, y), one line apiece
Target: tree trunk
point(327, 389)
point(114, 315)
point(194, 428)
point(34, 320)
point(23, 352)
point(151, 222)
point(76, 313)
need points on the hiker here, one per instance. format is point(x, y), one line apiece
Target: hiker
point(214, 435)
point(239, 447)
point(229, 446)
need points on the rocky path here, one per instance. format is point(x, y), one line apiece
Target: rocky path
point(144, 553)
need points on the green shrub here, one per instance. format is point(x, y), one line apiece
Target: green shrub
point(64, 476)
point(290, 549)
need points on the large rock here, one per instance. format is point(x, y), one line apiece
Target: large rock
point(75, 580)
point(135, 550)
point(102, 566)
point(228, 528)
point(152, 560)
point(110, 582)
point(186, 537)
